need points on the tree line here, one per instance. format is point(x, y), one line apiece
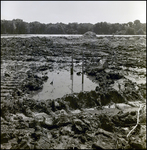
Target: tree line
point(18, 26)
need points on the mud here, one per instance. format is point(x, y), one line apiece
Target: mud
point(43, 106)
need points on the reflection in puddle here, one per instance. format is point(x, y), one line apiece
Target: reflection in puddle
point(61, 83)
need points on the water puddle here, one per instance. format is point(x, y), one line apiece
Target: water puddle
point(136, 75)
point(136, 79)
point(61, 82)
point(136, 69)
point(76, 111)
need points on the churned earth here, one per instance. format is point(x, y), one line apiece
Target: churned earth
point(43, 106)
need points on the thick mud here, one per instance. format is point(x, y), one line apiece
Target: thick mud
point(43, 106)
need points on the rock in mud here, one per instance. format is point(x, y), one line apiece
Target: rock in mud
point(136, 144)
point(7, 74)
point(61, 120)
point(67, 130)
point(106, 123)
point(78, 73)
point(98, 146)
point(124, 119)
point(44, 78)
point(79, 126)
point(114, 76)
point(99, 68)
point(43, 68)
point(7, 133)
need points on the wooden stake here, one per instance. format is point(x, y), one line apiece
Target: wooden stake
point(72, 84)
point(82, 68)
point(72, 64)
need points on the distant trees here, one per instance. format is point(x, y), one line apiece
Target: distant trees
point(136, 28)
point(18, 26)
point(130, 31)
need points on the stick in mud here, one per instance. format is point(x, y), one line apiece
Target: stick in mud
point(72, 64)
point(136, 123)
point(82, 68)
point(82, 87)
point(72, 73)
point(71, 83)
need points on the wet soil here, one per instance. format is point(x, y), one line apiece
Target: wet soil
point(43, 106)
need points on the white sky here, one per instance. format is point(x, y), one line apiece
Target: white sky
point(74, 11)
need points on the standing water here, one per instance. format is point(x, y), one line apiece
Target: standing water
point(62, 83)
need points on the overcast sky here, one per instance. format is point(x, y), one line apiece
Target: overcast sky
point(74, 11)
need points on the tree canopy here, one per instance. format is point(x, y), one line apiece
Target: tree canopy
point(18, 26)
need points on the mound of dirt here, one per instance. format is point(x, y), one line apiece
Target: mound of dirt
point(89, 34)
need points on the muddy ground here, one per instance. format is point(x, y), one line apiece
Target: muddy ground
point(102, 118)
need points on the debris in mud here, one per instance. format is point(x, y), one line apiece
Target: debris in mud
point(32, 83)
point(78, 73)
point(43, 68)
point(99, 118)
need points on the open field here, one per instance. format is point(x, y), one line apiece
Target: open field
point(43, 106)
